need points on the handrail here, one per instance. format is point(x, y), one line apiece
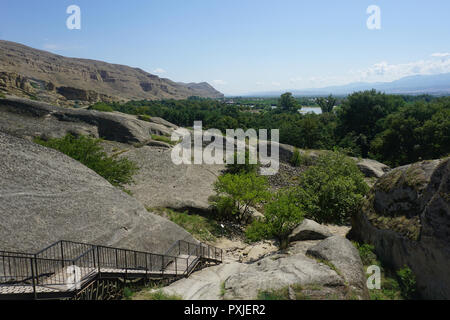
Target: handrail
point(47, 265)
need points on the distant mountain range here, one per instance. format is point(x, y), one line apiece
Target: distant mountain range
point(29, 72)
point(438, 84)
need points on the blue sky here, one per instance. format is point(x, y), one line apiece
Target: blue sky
point(247, 45)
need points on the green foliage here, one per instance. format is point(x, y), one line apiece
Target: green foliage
point(155, 295)
point(163, 139)
point(280, 294)
point(333, 189)
point(88, 151)
point(127, 293)
point(288, 103)
point(326, 104)
point(393, 129)
point(201, 227)
point(246, 167)
point(281, 216)
point(101, 106)
point(296, 159)
point(2, 96)
point(237, 193)
point(367, 253)
point(360, 115)
point(417, 132)
point(407, 281)
point(145, 117)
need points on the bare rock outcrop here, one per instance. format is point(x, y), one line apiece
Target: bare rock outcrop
point(309, 230)
point(46, 196)
point(28, 119)
point(407, 219)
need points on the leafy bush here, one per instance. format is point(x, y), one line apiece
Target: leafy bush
point(89, 152)
point(407, 281)
point(281, 216)
point(246, 167)
point(237, 193)
point(100, 106)
point(367, 253)
point(144, 117)
point(333, 189)
point(2, 96)
point(296, 160)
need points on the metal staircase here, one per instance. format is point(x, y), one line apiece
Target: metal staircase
point(68, 269)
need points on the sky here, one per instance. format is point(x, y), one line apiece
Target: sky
point(244, 46)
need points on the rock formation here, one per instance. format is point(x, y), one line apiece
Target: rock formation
point(407, 219)
point(62, 80)
point(46, 196)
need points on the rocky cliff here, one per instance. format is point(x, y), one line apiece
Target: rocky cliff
point(53, 78)
point(407, 219)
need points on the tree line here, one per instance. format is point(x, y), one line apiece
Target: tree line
point(393, 129)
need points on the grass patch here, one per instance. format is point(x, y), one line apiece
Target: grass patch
point(279, 294)
point(151, 294)
point(100, 106)
point(201, 227)
point(145, 117)
point(390, 281)
point(164, 139)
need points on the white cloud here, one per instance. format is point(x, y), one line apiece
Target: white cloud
point(220, 82)
point(441, 54)
point(384, 71)
point(276, 84)
point(159, 71)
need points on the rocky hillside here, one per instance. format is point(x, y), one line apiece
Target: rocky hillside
point(46, 196)
point(407, 219)
point(39, 74)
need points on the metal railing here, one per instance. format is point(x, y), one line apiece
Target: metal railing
point(66, 265)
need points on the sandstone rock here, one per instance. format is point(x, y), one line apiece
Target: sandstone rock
point(161, 183)
point(239, 281)
point(46, 196)
point(343, 255)
point(372, 168)
point(89, 80)
point(407, 219)
point(27, 119)
point(309, 230)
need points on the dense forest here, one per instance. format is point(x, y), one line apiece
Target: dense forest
point(393, 129)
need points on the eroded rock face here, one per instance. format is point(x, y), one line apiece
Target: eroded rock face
point(309, 230)
point(161, 184)
point(29, 119)
point(46, 196)
point(310, 277)
point(407, 219)
point(343, 255)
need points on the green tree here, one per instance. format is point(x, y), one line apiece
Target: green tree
point(326, 104)
point(360, 117)
point(282, 215)
point(416, 132)
point(288, 103)
point(246, 167)
point(237, 193)
point(333, 189)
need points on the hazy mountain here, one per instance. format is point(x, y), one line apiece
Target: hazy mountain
point(31, 72)
point(438, 84)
